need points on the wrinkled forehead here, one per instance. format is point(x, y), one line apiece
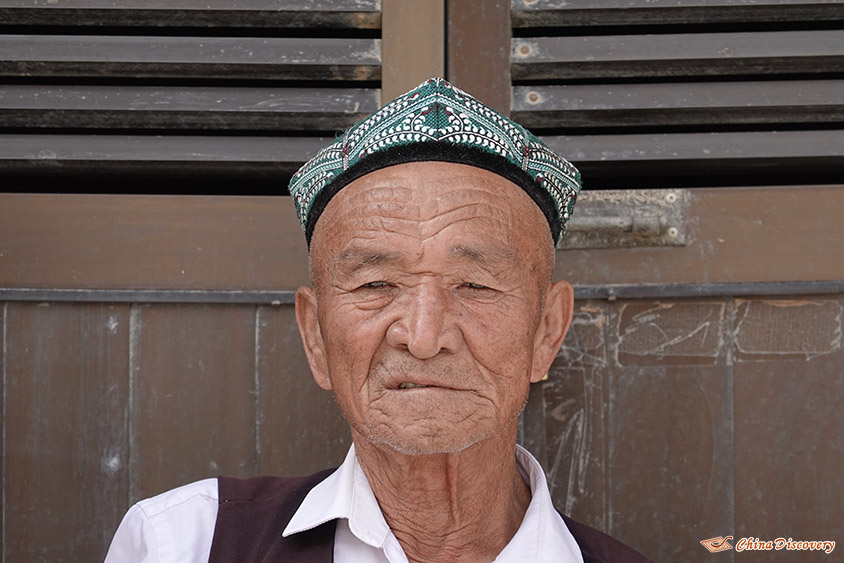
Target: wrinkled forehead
point(426, 198)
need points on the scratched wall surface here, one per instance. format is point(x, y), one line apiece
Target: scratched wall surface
point(670, 422)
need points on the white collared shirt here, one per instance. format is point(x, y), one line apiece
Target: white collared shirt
point(178, 526)
point(363, 536)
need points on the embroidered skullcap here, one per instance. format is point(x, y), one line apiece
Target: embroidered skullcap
point(438, 122)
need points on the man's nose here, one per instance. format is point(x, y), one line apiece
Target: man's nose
point(425, 326)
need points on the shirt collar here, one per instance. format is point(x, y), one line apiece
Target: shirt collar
point(343, 494)
point(542, 536)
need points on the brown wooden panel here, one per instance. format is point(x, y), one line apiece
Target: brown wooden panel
point(300, 428)
point(669, 333)
point(241, 243)
point(193, 242)
point(3, 371)
point(734, 235)
point(712, 153)
point(553, 13)
point(703, 54)
point(679, 104)
point(789, 450)
point(288, 58)
point(413, 44)
point(66, 455)
point(146, 107)
point(670, 423)
point(213, 13)
point(193, 395)
point(479, 40)
point(215, 157)
point(565, 421)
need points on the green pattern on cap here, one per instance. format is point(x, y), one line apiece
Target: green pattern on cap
point(437, 112)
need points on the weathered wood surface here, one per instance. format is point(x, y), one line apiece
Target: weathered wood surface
point(280, 155)
point(360, 14)
point(294, 415)
point(231, 156)
point(710, 154)
point(478, 38)
point(727, 406)
point(288, 58)
point(146, 107)
point(136, 242)
point(678, 104)
point(413, 44)
point(675, 55)
point(183, 243)
point(559, 13)
point(65, 422)
point(789, 392)
point(192, 374)
point(107, 403)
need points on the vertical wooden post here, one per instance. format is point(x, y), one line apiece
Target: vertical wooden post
point(412, 45)
point(478, 50)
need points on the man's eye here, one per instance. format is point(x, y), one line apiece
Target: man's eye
point(374, 285)
point(471, 285)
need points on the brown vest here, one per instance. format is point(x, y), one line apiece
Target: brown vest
point(254, 512)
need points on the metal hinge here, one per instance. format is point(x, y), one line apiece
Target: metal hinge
point(628, 218)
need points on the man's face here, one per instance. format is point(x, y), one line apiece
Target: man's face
point(432, 308)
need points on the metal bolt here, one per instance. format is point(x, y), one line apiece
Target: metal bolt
point(673, 232)
point(533, 98)
point(524, 49)
point(670, 197)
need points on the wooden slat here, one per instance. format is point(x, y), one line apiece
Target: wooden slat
point(554, 13)
point(709, 153)
point(193, 395)
point(247, 156)
point(295, 415)
point(673, 55)
point(254, 155)
point(190, 57)
point(143, 107)
point(172, 242)
point(674, 104)
point(66, 425)
point(564, 421)
point(669, 420)
point(789, 393)
point(749, 234)
point(360, 14)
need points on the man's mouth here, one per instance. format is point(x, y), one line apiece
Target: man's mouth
point(408, 385)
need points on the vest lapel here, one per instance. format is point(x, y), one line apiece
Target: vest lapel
point(254, 512)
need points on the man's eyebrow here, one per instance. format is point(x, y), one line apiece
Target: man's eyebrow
point(354, 259)
point(484, 255)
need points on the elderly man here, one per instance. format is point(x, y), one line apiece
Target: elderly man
point(431, 227)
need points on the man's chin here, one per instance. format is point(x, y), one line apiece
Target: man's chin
point(416, 445)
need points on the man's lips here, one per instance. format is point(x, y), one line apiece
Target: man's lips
point(404, 385)
point(409, 385)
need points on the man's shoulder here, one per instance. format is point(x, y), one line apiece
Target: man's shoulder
point(598, 547)
point(202, 492)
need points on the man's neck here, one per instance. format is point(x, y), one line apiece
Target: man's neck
point(449, 507)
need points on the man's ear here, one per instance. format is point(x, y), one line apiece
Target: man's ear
point(553, 326)
point(306, 318)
